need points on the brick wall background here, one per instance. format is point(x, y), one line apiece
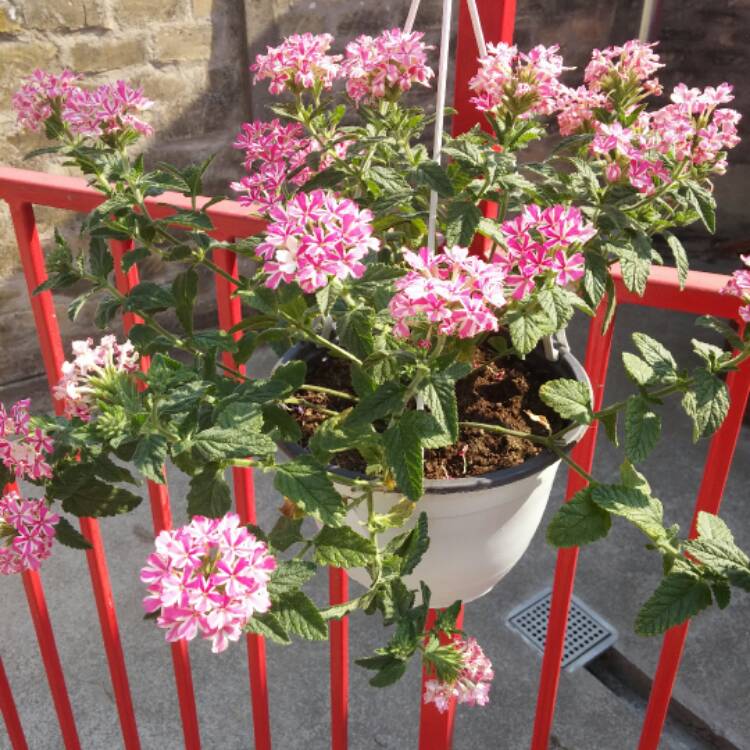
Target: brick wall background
point(191, 57)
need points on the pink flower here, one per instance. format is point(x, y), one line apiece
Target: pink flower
point(577, 109)
point(90, 370)
point(313, 237)
point(472, 686)
point(110, 108)
point(633, 64)
point(569, 268)
point(526, 84)
point(23, 450)
point(454, 291)
point(386, 65)
point(27, 531)
point(209, 577)
point(41, 94)
point(299, 62)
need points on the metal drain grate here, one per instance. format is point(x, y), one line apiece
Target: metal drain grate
point(586, 637)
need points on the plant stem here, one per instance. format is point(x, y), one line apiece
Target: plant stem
point(328, 391)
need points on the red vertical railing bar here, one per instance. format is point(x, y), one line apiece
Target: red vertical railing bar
point(10, 713)
point(435, 728)
point(161, 514)
point(597, 360)
point(715, 474)
point(338, 634)
point(230, 313)
point(48, 332)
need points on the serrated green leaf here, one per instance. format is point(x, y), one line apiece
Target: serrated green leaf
point(706, 403)
point(108, 308)
point(149, 457)
point(305, 482)
point(657, 357)
point(292, 373)
point(185, 292)
point(580, 521)
point(209, 493)
point(740, 578)
point(289, 576)
point(100, 259)
point(609, 421)
point(678, 597)
point(631, 477)
point(298, 615)
point(680, 258)
point(355, 329)
point(149, 297)
point(710, 526)
point(436, 177)
point(220, 443)
point(721, 327)
point(571, 399)
point(440, 397)
point(414, 545)
point(387, 398)
point(343, 547)
point(285, 533)
point(642, 428)
point(636, 506)
point(268, 626)
point(704, 204)
point(66, 534)
point(462, 221)
point(639, 370)
point(526, 329)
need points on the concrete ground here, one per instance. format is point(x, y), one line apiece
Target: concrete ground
point(600, 708)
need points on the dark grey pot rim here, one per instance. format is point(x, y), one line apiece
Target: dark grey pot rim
point(567, 366)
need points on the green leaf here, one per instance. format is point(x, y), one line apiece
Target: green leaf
point(75, 307)
point(297, 614)
point(722, 593)
point(704, 204)
point(462, 221)
point(403, 442)
point(343, 547)
point(436, 177)
point(100, 259)
point(678, 597)
point(354, 329)
point(66, 534)
point(292, 373)
point(185, 292)
point(280, 423)
point(636, 506)
point(595, 277)
point(444, 661)
point(337, 611)
point(571, 399)
point(706, 403)
point(710, 526)
point(131, 257)
point(715, 546)
point(635, 263)
point(289, 576)
point(238, 441)
point(642, 428)
point(268, 626)
point(149, 297)
point(305, 482)
point(108, 308)
point(96, 499)
point(387, 398)
point(285, 533)
point(740, 578)
point(149, 457)
point(440, 396)
point(414, 545)
point(209, 493)
point(721, 327)
point(631, 477)
point(580, 521)
point(526, 329)
point(657, 357)
point(680, 258)
point(609, 421)
point(639, 370)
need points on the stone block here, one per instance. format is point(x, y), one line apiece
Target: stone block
point(183, 43)
point(62, 14)
point(202, 8)
point(131, 12)
point(19, 59)
point(8, 22)
point(95, 54)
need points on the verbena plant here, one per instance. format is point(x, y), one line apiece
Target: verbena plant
point(347, 264)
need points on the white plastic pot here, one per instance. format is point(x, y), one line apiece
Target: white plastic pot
point(479, 527)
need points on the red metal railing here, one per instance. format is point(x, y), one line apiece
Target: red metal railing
point(23, 189)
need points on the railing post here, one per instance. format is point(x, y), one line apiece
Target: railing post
point(597, 360)
point(10, 713)
point(718, 464)
point(48, 332)
point(338, 631)
point(230, 313)
point(435, 728)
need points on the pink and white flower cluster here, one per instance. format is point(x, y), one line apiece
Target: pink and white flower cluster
point(274, 154)
point(541, 243)
point(472, 686)
point(209, 577)
point(577, 109)
point(389, 63)
point(88, 373)
point(27, 531)
point(22, 450)
point(41, 94)
point(523, 83)
point(313, 237)
point(301, 61)
point(453, 291)
point(739, 286)
point(107, 109)
point(633, 63)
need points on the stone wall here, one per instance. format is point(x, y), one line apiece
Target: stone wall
point(191, 57)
